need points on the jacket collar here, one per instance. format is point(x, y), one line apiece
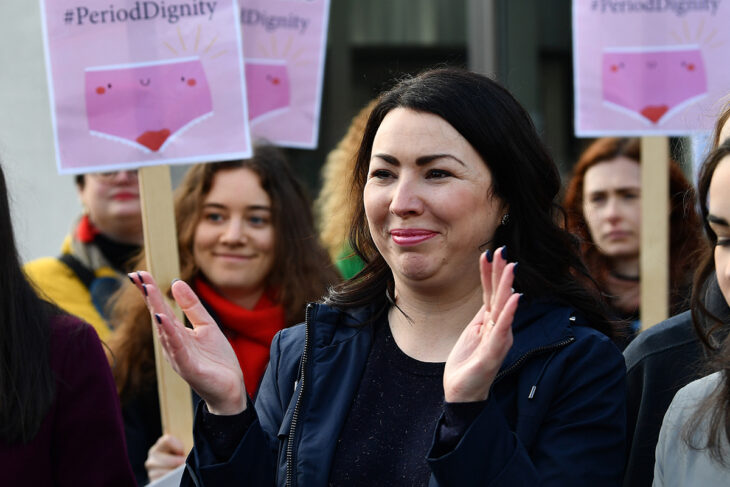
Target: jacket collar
point(539, 324)
point(549, 323)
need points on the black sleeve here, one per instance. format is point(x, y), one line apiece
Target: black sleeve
point(223, 433)
point(458, 416)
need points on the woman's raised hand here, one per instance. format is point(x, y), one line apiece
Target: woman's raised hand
point(201, 355)
point(478, 354)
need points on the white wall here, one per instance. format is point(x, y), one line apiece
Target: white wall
point(44, 204)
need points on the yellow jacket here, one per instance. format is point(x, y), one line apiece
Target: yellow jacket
point(58, 283)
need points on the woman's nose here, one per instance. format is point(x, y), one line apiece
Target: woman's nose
point(407, 198)
point(126, 177)
point(613, 210)
point(234, 233)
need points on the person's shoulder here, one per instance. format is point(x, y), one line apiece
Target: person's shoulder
point(661, 339)
point(71, 334)
point(595, 345)
point(563, 327)
point(45, 266)
point(54, 279)
point(697, 390)
point(685, 404)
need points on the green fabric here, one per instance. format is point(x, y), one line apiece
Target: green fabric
point(348, 263)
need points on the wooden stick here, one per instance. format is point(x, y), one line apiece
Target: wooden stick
point(654, 230)
point(160, 245)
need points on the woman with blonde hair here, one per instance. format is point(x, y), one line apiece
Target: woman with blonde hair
point(335, 204)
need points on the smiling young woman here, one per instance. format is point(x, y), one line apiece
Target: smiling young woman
point(248, 247)
point(443, 362)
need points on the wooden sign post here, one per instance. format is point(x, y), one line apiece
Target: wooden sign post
point(654, 266)
point(163, 262)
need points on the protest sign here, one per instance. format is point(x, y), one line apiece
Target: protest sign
point(284, 48)
point(144, 82)
point(649, 67)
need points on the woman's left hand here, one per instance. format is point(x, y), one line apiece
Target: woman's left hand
point(478, 354)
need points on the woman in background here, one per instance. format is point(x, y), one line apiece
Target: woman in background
point(247, 245)
point(60, 422)
point(96, 253)
point(603, 203)
point(336, 203)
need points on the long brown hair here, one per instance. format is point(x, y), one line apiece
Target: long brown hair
point(302, 270)
point(684, 225)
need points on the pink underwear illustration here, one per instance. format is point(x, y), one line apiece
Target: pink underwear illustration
point(653, 83)
point(267, 86)
point(147, 105)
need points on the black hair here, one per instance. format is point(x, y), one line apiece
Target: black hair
point(524, 177)
point(27, 384)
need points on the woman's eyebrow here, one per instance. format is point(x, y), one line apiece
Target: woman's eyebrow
point(214, 205)
point(420, 161)
point(224, 207)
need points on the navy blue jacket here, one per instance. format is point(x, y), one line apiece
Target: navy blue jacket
point(556, 414)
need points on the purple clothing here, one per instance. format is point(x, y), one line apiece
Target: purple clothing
point(81, 439)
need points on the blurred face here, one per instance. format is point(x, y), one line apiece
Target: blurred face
point(234, 241)
point(428, 201)
point(719, 220)
point(112, 200)
point(612, 207)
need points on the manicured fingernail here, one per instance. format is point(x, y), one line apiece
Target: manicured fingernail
point(489, 255)
point(144, 288)
point(158, 319)
point(504, 252)
point(174, 281)
point(140, 277)
point(514, 269)
point(130, 278)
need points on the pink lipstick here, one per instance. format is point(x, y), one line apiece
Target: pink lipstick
point(411, 236)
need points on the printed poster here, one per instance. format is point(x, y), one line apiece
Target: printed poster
point(649, 67)
point(284, 47)
point(144, 82)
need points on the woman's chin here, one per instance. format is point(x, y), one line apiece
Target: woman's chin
point(415, 269)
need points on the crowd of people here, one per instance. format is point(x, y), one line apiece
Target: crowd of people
point(448, 321)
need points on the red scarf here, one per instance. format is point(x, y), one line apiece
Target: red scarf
point(249, 331)
point(86, 231)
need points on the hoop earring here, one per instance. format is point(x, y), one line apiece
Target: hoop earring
point(505, 219)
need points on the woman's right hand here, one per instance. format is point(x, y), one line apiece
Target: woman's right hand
point(201, 355)
point(166, 455)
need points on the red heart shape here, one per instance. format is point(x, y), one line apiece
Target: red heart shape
point(654, 112)
point(153, 140)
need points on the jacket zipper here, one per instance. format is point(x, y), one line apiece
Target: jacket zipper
point(534, 351)
point(290, 453)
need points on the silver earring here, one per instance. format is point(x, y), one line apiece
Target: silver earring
point(505, 219)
